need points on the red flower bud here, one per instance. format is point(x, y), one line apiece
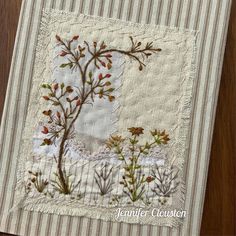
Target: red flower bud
point(63, 53)
point(58, 114)
point(108, 75)
point(46, 98)
point(78, 102)
point(45, 130)
point(108, 55)
point(103, 63)
point(75, 37)
point(100, 76)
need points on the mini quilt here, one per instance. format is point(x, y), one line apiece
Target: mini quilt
point(108, 119)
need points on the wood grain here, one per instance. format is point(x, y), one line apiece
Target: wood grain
point(9, 15)
point(219, 209)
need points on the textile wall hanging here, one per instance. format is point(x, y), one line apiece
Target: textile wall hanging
point(109, 115)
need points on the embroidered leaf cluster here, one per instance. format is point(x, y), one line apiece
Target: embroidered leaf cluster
point(65, 101)
point(145, 52)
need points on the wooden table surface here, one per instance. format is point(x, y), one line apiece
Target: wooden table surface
point(219, 210)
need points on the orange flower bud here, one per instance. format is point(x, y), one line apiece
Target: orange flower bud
point(58, 38)
point(47, 113)
point(75, 37)
point(47, 141)
point(45, 130)
point(46, 98)
point(69, 89)
point(111, 98)
point(109, 66)
point(63, 53)
point(149, 179)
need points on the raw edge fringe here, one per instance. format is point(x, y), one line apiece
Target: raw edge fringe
point(41, 45)
point(81, 17)
point(55, 207)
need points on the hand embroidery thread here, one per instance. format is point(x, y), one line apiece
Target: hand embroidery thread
point(69, 100)
point(134, 180)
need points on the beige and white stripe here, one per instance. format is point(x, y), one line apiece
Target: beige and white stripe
point(210, 17)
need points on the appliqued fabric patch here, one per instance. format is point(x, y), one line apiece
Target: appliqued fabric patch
point(108, 119)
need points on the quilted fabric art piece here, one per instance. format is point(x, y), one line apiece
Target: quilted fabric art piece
point(108, 118)
point(107, 129)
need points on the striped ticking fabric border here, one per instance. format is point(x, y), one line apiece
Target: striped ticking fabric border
point(209, 17)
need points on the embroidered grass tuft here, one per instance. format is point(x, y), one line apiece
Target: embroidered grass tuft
point(103, 179)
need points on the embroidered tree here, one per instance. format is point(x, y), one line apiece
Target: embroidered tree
point(68, 101)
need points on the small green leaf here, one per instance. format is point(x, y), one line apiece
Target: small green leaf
point(46, 85)
point(55, 103)
point(110, 90)
point(64, 65)
point(89, 82)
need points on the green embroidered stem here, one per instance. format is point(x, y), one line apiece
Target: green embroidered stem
point(134, 180)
